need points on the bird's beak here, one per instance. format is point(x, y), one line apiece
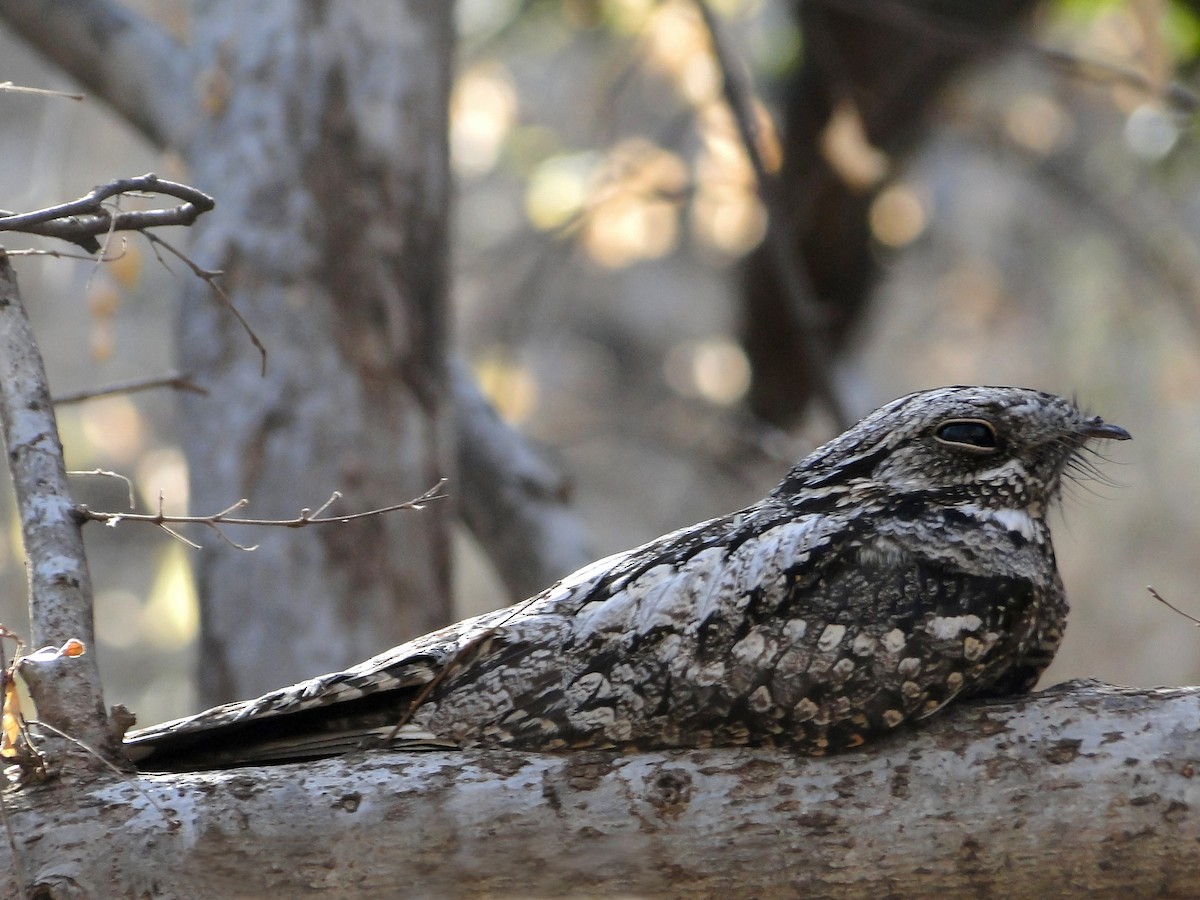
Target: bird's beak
point(1096, 427)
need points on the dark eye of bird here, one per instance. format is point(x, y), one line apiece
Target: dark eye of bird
point(972, 434)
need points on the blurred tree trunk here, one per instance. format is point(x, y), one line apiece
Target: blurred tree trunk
point(875, 67)
point(325, 137)
point(321, 128)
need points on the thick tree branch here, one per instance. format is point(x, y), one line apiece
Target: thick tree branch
point(126, 60)
point(1085, 790)
point(514, 502)
point(66, 690)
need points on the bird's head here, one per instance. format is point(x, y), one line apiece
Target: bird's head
point(987, 446)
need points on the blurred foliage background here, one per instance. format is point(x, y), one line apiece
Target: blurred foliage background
point(1042, 234)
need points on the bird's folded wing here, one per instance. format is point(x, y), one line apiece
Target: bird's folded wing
point(249, 729)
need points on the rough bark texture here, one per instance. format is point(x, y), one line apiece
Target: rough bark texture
point(324, 136)
point(321, 130)
point(67, 690)
point(1085, 790)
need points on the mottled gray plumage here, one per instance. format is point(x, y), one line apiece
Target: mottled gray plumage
point(903, 565)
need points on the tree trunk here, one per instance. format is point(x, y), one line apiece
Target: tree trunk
point(886, 63)
point(321, 130)
point(325, 135)
point(1085, 790)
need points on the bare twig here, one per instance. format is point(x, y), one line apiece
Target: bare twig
point(80, 221)
point(806, 312)
point(173, 380)
point(9, 88)
point(1171, 606)
point(17, 874)
point(172, 822)
point(210, 276)
point(216, 520)
point(60, 254)
point(105, 473)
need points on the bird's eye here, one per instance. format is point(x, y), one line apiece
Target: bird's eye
point(970, 434)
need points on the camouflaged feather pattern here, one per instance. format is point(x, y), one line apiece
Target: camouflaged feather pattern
point(902, 565)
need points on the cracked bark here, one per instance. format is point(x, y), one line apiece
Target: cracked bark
point(1083, 790)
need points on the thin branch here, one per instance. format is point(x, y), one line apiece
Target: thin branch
point(60, 254)
point(119, 56)
point(80, 221)
point(18, 874)
point(9, 88)
point(216, 520)
point(173, 380)
point(105, 473)
point(809, 318)
point(210, 276)
point(1171, 606)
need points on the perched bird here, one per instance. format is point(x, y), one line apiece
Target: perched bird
point(902, 566)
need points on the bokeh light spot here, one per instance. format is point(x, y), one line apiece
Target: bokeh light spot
point(114, 429)
point(163, 469)
point(714, 369)
point(897, 216)
point(510, 386)
point(483, 109)
point(171, 616)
